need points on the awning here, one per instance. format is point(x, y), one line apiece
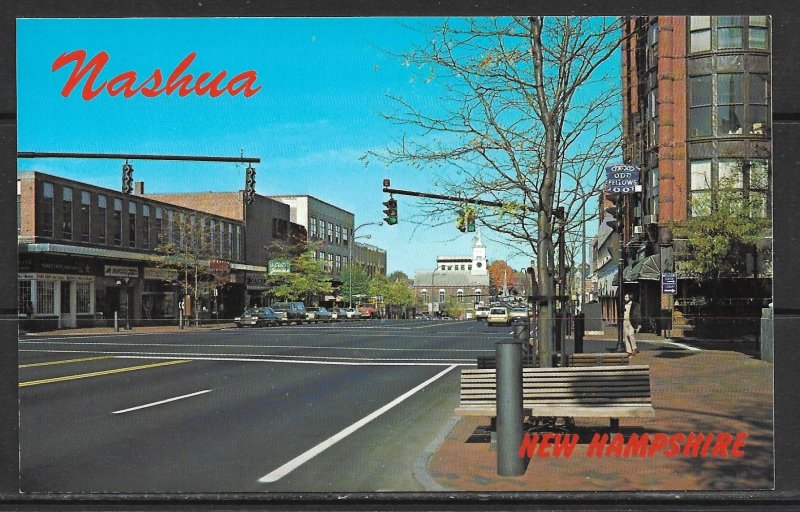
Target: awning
point(651, 268)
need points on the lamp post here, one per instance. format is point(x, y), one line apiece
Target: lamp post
point(432, 276)
point(350, 255)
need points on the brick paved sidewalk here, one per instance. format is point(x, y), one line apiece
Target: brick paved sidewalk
point(693, 391)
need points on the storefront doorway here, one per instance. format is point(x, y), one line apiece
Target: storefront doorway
point(67, 313)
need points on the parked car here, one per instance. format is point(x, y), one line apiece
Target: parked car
point(319, 314)
point(366, 311)
point(337, 314)
point(498, 316)
point(290, 312)
point(518, 313)
point(481, 312)
point(257, 317)
point(352, 313)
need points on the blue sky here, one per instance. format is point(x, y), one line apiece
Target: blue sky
point(324, 85)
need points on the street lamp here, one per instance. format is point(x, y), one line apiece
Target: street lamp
point(350, 256)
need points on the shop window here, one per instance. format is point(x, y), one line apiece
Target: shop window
point(131, 224)
point(117, 222)
point(45, 298)
point(66, 215)
point(24, 304)
point(84, 298)
point(86, 218)
point(700, 99)
point(47, 209)
point(103, 220)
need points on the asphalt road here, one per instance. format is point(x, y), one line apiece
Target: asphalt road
point(317, 408)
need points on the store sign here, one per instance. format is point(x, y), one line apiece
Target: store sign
point(256, 281)
point(162, 274)
point(622, 178)
point(119, 271)
point(669, 283)
point(278, 267)
point(43, 276)
point(221, 265)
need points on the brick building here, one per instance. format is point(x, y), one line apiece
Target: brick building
point(696, 110)
point(86, 252)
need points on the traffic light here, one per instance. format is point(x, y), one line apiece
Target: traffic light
point(615, 198)
point(461, 221)
point(127, 178)
point(390, 211)
point(249, 185)
point(471, 222)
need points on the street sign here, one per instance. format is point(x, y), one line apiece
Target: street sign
point(622, 178)
point(277, 267)
point(669, 283)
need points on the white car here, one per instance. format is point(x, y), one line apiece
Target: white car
point(352, 313)
point(481, 312)
point(498, 316)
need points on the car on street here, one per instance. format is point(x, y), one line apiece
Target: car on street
point(257, 317)
point(518, 313)
point(498, 316)
point(318, 314)
point(366, 311)
point(290, 312)
point(352, 313)
point(481, 312)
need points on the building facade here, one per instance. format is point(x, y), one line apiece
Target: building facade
point(86, 252)
point(463, 280)
point(696, 113)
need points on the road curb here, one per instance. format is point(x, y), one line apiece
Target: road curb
point(420, 469)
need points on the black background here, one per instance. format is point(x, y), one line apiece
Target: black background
point(786, 135)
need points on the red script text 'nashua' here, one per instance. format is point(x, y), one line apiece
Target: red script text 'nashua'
point(125, 83)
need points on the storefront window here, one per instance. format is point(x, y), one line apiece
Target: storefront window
point(45, 298)
point(84, 295)
point(24, 304)
point(47, 209)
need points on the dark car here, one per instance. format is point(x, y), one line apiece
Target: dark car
point(257, 317)
point(290, 312)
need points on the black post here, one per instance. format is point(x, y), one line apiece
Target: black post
point(580, 329)
point(620, 304)
point(509, 408)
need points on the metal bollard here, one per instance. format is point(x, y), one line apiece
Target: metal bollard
point(580, 329)
point(116, 322)
point(509, 408)
point(522, 333)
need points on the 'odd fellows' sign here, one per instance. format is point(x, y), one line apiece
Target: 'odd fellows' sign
point(622, 178)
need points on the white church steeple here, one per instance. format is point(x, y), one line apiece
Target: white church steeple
point(478, 257)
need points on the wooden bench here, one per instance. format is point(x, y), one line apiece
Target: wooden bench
point(584, 392)
point(599, 359)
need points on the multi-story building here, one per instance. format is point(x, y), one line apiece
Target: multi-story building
point(463, 279)
point(332, 228)
point(86, 252)
point(267, 230)
point(696, 111)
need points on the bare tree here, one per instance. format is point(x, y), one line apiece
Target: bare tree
point(527, 118)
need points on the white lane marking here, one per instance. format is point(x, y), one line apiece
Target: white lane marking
point(268, 359)
point(681, 345)
point(301, 347)
point(298, 461)
point(161, 402)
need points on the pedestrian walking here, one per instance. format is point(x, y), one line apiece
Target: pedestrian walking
point(631, 323)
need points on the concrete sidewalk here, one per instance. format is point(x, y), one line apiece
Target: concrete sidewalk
point(156, 329)
point(702, 391)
